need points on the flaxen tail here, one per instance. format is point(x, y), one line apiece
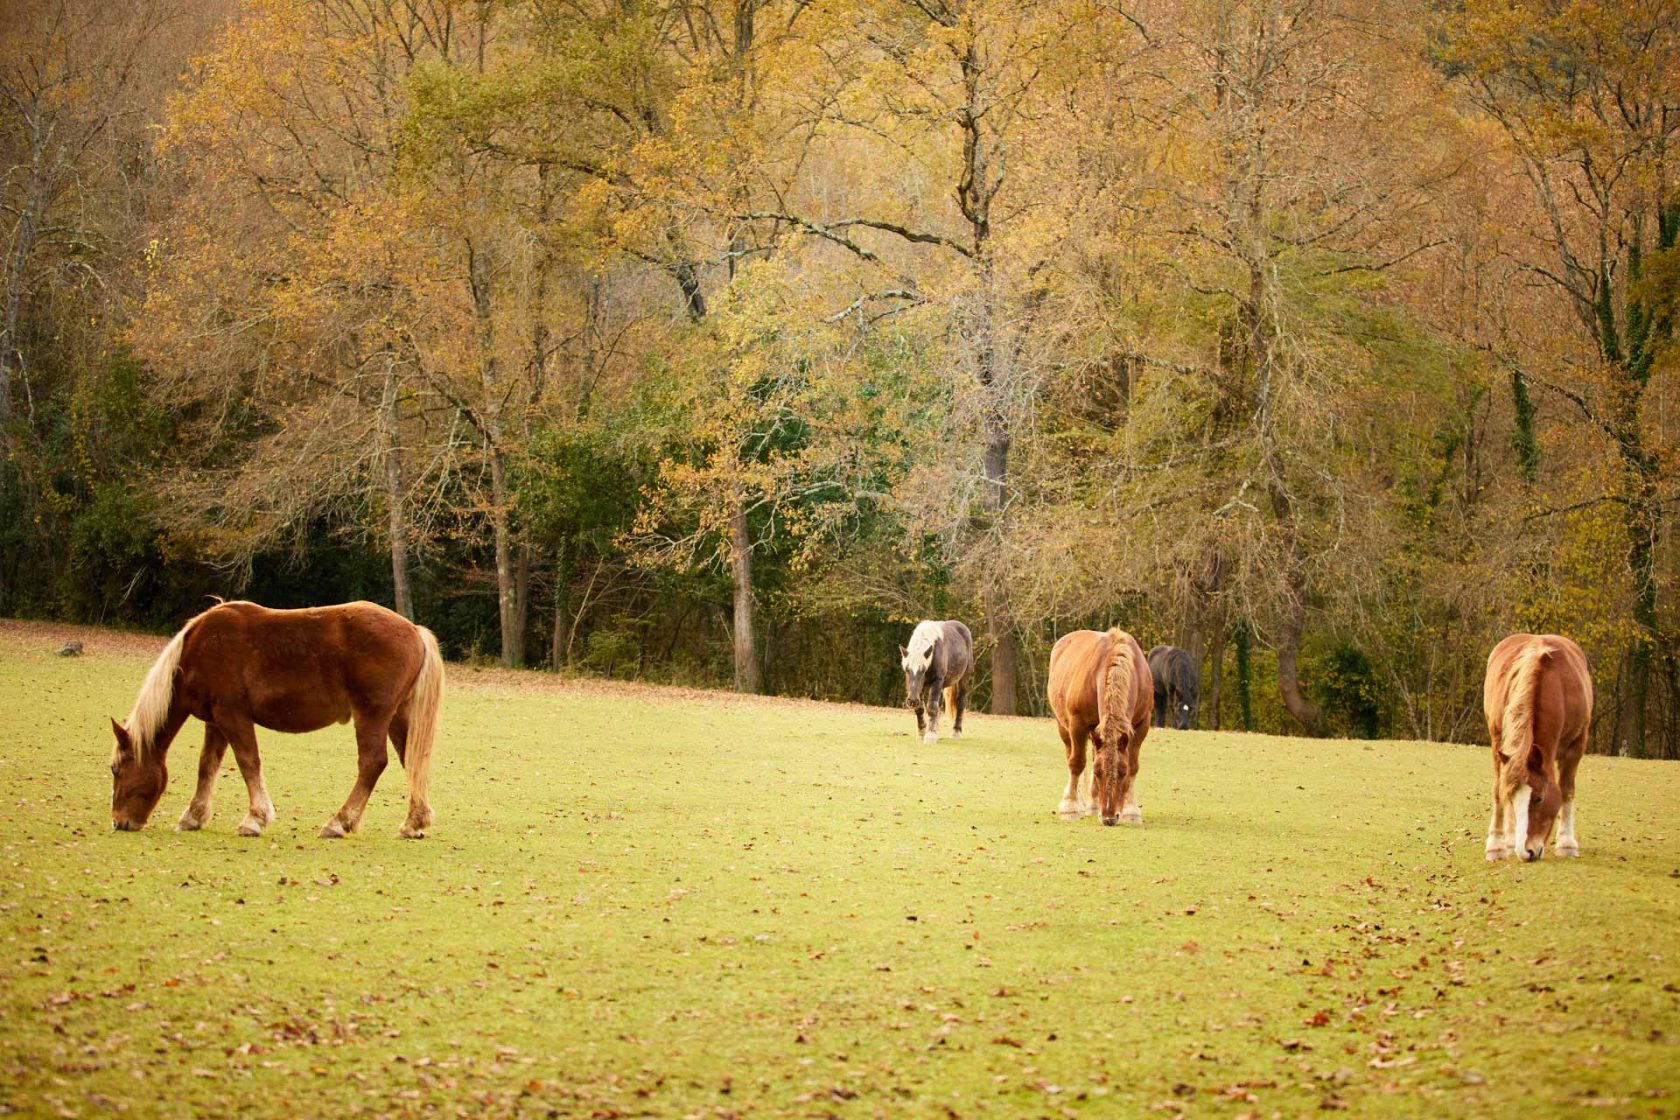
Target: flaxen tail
point(424, 701)
point(1516, 733)
point(1115, 710)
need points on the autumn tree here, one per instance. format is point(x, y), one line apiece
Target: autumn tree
point(1588, 99)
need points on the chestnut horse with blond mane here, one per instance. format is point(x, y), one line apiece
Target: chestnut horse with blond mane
point(1538, 699)
point(239, 666)
point(1101, 689)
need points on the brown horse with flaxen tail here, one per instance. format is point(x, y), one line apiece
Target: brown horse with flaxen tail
point(1101, 688)
point(239, 666)
point(1538, 699)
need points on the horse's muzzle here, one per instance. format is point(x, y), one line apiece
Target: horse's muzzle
point(125, 826)
point(1111, 820)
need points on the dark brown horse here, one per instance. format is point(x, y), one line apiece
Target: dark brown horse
point(1538, 699)
point(239, 666)
point(1100, 688)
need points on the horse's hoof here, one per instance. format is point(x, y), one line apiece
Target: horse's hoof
point(188, 823)
point(930, 738)
point(249, 827)
point(1132, 816)
point(1568, 851)
point(957, 734)
point(409, 832)
point(332, 830)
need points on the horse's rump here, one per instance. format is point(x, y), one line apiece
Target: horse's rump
point(1081, 665)
point(1538, 692)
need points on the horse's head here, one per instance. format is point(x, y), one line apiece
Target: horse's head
point(137, 782)
point(1181, 716)
point(1544, 802)
point(916, 666)
point(1108, 769)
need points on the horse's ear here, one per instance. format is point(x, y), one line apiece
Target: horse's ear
point(903, 653)
point(125, 746)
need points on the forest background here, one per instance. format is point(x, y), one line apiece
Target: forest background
point(717, 341)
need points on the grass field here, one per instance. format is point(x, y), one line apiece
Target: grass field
point(651, 903)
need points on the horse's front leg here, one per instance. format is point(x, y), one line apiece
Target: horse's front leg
point(1130, 811)
point(197, 813)
point(1567, 844)
point(371, 757)
point(936, 695)
point(242, 737)
point(1498, 844)
point(1073, 804)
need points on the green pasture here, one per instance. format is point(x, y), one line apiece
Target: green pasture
point(649, 903)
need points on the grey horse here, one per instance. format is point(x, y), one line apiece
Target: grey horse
point(937, 664)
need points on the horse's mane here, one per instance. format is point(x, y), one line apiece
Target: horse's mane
point(1517, 720)
point(922, 639)
point(1119, 682)
point(151, 706)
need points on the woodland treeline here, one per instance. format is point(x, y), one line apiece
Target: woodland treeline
point(716, 341)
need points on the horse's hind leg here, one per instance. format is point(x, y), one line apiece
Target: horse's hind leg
point(371, 758)
point(1570, 758)
point(956, 712)
point(197, 813)
point(243, 738)
point(399, 737)
point(958, 702)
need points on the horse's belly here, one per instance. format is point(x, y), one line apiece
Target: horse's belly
point(296, 713)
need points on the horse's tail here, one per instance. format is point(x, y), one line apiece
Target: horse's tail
point(424, 701)
point(1516, 739)
point(1119, 684)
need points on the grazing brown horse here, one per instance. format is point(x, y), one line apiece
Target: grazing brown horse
point(1538, 699)
point(1100, 688)
point(239, 666)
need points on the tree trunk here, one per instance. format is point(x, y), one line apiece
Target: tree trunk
point(1289, 684)
point(557, 641)
point(1216, 672)
point(24, 236)
point(506, 592)
point(740, 571)
point(1006, 658)
point(1244, 640)
point(396, 526)
point(478, 277)
point(1641, 564)
point(521, 602)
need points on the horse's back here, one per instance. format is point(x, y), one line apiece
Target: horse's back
point(1563, 699)
point(298, 670)
point(1072, 677)
point(960, 659)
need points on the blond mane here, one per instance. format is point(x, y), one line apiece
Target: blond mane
point(1114, 706)
point(157, 691)
point(923, 638)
